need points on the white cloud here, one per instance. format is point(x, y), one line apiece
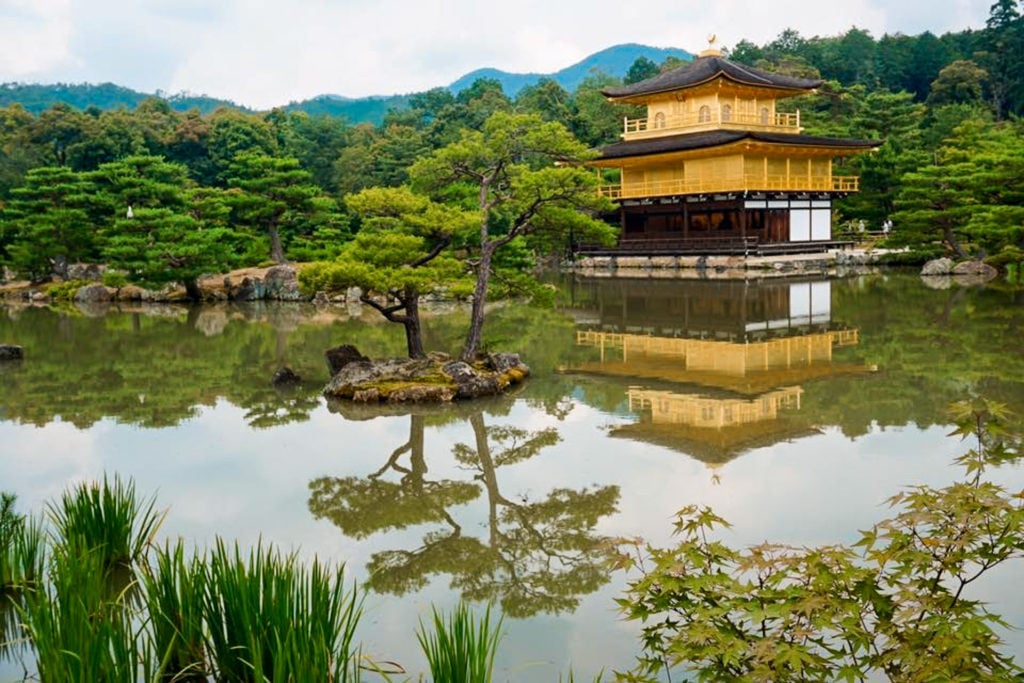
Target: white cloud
point(265, 53)
point(34, 37)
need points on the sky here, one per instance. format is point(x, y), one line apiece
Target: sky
point(264, 53)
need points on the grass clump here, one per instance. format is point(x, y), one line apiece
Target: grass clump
point(65, 291)
point(461, 648)
point(175, 595)
point(115, 279)
point(103, 608)
point(108, 519)
point(22, 548)
point(82, 626)
point(271, 618)
point(22, 559)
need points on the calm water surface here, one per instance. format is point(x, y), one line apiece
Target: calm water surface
point(794, 408)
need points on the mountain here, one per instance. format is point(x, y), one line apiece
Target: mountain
point(354, 110)
point(37, 98)
point(613, 61)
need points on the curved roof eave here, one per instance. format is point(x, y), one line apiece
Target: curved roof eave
point(706, 69)
point(696, 141)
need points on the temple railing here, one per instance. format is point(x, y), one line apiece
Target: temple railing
point(710, 119)
point(749, 183)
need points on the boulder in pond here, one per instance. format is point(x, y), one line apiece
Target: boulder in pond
point(285, 377)
point(249, 289)
point(340, 356)
point(90, 294)
point(939, 266)
point(471, 383)
point(504, 361)
point(134, 293)
point(282, 283)
point(11, 352)
point(366, 380)
point(975, 269)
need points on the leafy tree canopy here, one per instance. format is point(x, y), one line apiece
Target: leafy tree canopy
point(894, 606)
point(526, 178)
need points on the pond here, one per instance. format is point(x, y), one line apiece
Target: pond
point(793, 407)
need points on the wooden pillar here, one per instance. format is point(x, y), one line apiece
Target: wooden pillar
point(743, 219)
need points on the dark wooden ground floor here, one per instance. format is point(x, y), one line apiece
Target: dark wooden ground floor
point(725, 246)
point(722, 224)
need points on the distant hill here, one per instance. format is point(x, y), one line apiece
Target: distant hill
point(38, 98)
point(353, 110)
point(614, 61)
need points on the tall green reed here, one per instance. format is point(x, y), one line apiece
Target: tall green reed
point(217, 616)
point(22, 558)
point(9, 523)
point(461, 648)
point(82, 626)
point(272, 619)
point(80, 618)
point(175, 589)
point(107, 518)
point(10, 630)
point(22, 547)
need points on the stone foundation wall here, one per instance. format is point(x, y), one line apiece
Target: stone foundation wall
point(705, 266)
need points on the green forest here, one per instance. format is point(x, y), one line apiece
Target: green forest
point(161, 195)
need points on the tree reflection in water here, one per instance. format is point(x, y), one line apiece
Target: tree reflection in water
point(538, 556)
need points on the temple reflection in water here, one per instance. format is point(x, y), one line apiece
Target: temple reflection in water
point(713, 368)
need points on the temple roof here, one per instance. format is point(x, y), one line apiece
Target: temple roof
point(705, 69)
point(715, 446)
point(717, 138)
point(754, 383)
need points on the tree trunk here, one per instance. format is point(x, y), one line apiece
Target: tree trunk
point(476, 322)
point(411, 320)
point(276, 250)
point(953, 242)
point(489, 472)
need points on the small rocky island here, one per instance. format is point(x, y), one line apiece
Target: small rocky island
point(434, 379)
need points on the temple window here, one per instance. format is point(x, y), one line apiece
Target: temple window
point(704, 114)
point(659, 120)
point(765, 114)
point(726, 112)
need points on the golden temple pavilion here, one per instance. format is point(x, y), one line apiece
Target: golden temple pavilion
point(718, 165)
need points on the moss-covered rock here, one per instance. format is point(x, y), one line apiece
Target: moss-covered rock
point(426, 380)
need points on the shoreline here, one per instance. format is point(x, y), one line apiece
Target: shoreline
point(834, 263)
point(279, 283)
